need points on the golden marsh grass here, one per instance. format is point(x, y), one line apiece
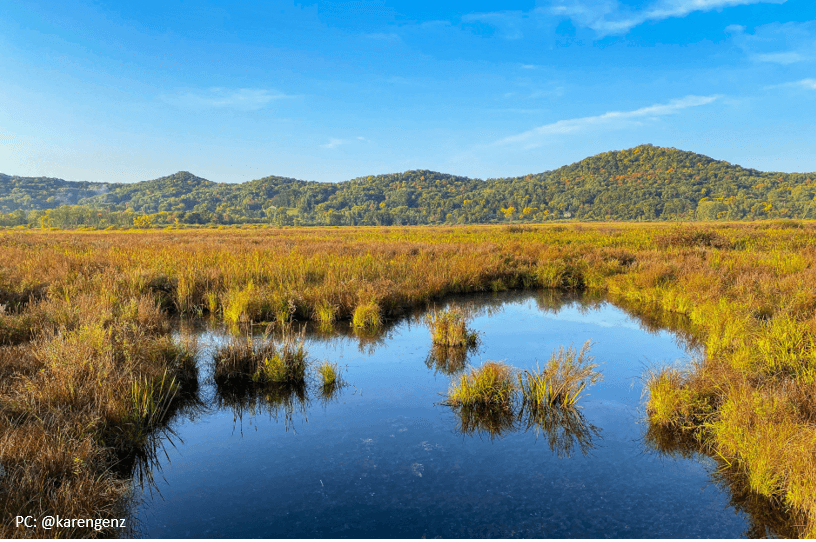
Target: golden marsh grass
point(85, 317)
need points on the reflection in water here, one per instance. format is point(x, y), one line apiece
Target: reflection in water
point(653, 319)
point(565, 428)
point(552, 301)
point(273, 399)
point(484, 420)
point(449, 360)
point(141, 462)
point(566, 431)
point(330, 392)
point(767, 518)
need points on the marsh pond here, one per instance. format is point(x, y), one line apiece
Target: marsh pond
point(382, 456)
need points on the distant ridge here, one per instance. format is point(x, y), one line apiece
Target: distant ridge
point(642, 183)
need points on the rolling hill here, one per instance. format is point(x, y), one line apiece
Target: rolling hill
point(642, 183)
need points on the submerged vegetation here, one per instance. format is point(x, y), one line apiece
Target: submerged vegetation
point(88, 370)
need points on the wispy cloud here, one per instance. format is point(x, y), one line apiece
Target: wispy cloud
point(242, 99)
point(383, 36)
point(334, 143)
point(809, 84)
point(607, 17)
point(777, 43)
point(508, 24)
point(612, 119)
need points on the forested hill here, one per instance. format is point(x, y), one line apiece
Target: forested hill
point(643, 183)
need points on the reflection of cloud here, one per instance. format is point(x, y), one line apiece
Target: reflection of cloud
point(612, 119)
point(244, 99)
point(777, 43)
point(607, 18)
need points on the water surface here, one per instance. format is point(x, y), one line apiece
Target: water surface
point(385, 459)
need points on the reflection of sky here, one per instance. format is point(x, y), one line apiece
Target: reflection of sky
point(385, 459)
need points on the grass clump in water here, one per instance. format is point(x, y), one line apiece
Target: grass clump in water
point(491, 384)
point(367, 316)
point(329, 373)
point(331, 381)
point(449, 328)
point(561, 381)
point(264, 360)
point(325, 313)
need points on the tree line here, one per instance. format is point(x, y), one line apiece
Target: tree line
point(645, 183)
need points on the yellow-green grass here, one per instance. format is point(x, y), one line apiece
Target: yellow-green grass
point(449, 328)
point(491, 384)
point(367, 316)
point(562, 380)
point(329, 373)
point(744, 289)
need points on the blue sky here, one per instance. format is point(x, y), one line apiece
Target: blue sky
point(328, 91)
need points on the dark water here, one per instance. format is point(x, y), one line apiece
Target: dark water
point(385, 459)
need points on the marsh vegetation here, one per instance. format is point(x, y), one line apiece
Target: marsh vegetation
point(88, 370)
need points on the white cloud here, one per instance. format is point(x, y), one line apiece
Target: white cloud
point(777, 43)
point(334, 143)
point(808, 83)
point(243, 99)
point(612, 119)
point(606, 17)
point(784, 58)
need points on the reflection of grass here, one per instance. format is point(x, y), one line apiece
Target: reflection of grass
point(565, 428)
point(447, 359)
point(768, 518)
point(484, 419)
point(273, 399)
point(561, 381)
